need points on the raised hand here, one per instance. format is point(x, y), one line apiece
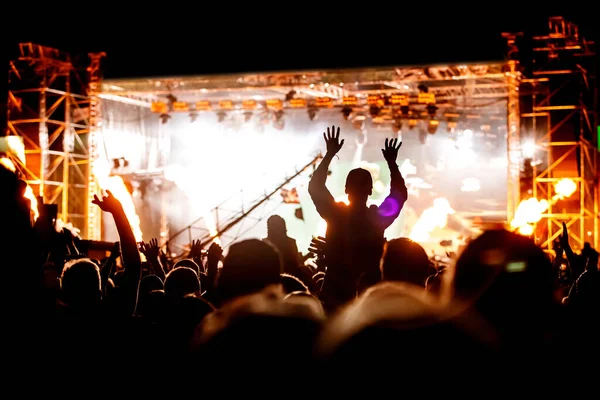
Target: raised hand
point(317, 246)
point(332, 140)
point(390, 151)
point(215, 252)
point(108, 203)
point(196, 252)
point(150, 249)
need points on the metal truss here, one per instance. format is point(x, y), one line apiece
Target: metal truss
point(560, 116)
point(47, 106)
point(460, 87)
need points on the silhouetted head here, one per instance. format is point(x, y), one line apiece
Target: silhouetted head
point(359, 185)
point(180, 282)
point(405, 260)
point(276, 226)
point(250, 266)
point(292, 284)
point(80, 283)
point(189, 263)
point(507, 279)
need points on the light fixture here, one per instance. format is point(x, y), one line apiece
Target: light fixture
point(347, 112)
point(221, 116)
point(164, 118)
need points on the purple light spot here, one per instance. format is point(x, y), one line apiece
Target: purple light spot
point(389, 207)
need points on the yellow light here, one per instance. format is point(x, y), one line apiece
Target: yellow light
point(180, 106)
point(399, 99)
point(324, 102)
point(350, 101)
point(275, 104)
point(159, 107)
point(248, 104)
point(203, 105)
point(297, 103)
point(426, 98)
point(225, 104)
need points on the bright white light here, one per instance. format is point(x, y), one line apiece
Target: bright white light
point(528, 148)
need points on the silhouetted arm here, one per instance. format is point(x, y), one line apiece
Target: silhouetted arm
point(320, 195)
point(391, 207)
point(130, 255)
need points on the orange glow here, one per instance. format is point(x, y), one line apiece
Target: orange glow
point(375, 100)
point(118, 188)
point(203, 105)
point(225, 104)
point(530, 211)
point(297, 103)
point(159, 107)
point(399, 100)
point(275, 104)
point(324, 102)
point(350, 101)
point(29, 195)
point(181, 106)
point(249, 104)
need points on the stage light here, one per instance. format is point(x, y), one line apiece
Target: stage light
point(180, 106)
point(164, 118)
point(171, 98)
point(248, 116)
point(347, 112)
point(221, 116)
point(432, 110)
point(159, 107)
point(324, 102)
point(312, 113)
point(249, 104)
point(225, 104)
point(290, 95)
point(193, 117)
point(351, 101)
point(432, 126)
point(412, 123)
point(203, 105)
point(297, 103)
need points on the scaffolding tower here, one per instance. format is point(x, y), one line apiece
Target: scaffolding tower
point(558, 101)
point(48, 116)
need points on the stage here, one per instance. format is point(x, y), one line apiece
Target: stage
point(197, 153)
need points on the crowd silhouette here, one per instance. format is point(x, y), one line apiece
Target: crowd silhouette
point(359, 312)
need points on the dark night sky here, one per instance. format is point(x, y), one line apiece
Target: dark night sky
point(181, 41)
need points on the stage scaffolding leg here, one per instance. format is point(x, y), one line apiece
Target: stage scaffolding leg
point(94, 220)
point(513, 141)
point(46, 115)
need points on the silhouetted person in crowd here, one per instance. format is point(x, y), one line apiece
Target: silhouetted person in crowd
point(250, 266)
point(287, 247)
point(354, 232)
point(405, 260)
